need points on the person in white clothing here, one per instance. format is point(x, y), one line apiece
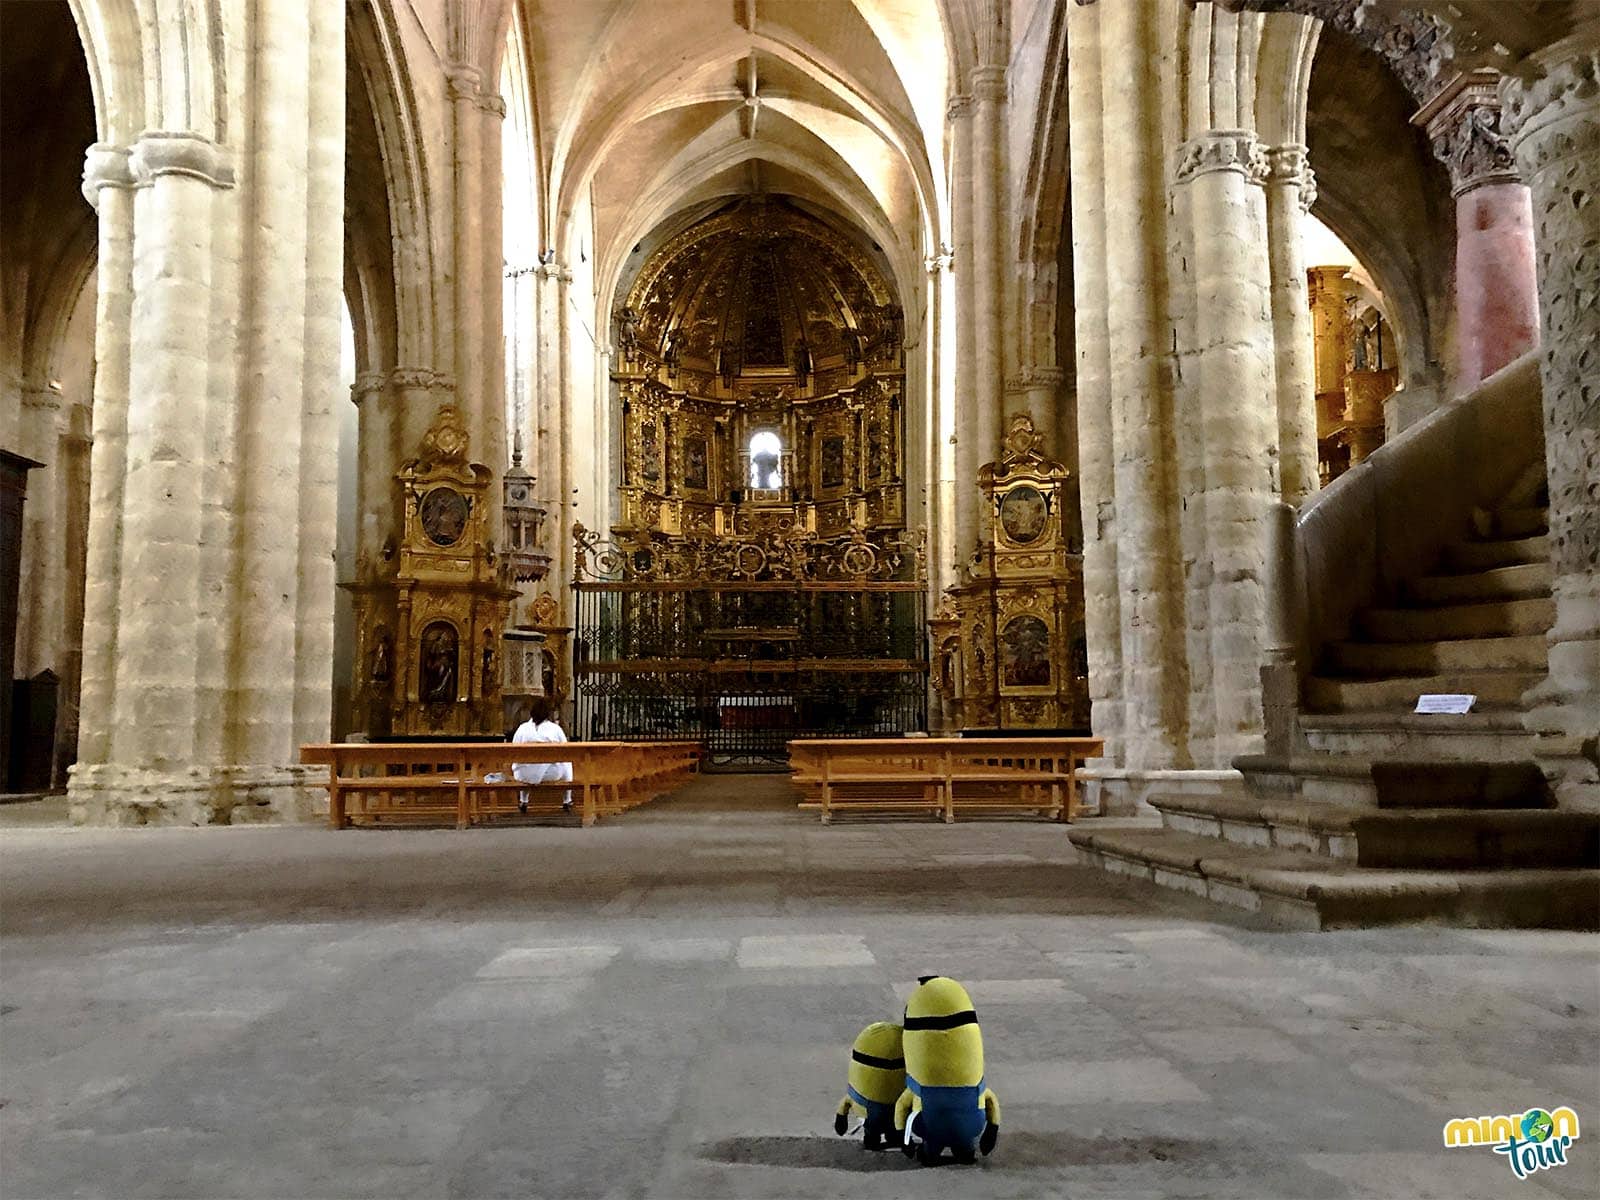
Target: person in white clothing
point(541, 727)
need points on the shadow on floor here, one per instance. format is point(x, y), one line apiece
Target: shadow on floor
point(1016, 1150)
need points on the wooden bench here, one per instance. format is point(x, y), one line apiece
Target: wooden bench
point(941, 776)
point(384, 783)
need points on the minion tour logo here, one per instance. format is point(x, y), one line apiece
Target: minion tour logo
point(1537, 1139)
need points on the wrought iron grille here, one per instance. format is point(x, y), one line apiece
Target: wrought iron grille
point(775, 640)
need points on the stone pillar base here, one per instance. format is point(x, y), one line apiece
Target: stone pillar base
point(1121, 792)
point(110, 794)
point(1567, 745)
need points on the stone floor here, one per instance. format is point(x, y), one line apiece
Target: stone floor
point(661, 1006)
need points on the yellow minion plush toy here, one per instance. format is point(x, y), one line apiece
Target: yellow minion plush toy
point(877, 1077)
point(945, 1104)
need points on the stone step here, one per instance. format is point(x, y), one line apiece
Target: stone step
point(1393, 783)
point(1499, 689)
point(1487, 736)
point(1501, 618)
point(1513, 522)
point(1310, 891)
point(1506, 552)
point(1523, 581)
point(1527, 653)
point(1430, 838)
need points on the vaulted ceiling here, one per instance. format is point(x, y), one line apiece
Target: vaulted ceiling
point(647, 108)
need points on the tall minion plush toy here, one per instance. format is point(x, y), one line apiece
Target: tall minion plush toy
point(945, 1104)
point(877, 1077)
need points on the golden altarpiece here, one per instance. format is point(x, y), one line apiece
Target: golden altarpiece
point(429, 637)
point(1009, 648)
point(758, 583)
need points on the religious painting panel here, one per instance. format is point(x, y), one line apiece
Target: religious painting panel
point(832, 470)
point(649, 451)
point(1023, 515)
point(696, 466)
point(1025, 653)
point(439, 663)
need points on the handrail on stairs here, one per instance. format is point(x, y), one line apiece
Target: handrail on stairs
point(1386, 520)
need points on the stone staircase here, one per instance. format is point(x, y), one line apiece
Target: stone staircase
point(1322, 844)
point(1476, 624)
point(1386, 816)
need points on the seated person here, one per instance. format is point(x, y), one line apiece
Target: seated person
point(541, 727)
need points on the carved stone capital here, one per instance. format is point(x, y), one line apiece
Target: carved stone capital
point(46, 398)
point(1034, 378)
point(1222, 150)
point(1463, 125)
point(105, 165)
point(159, 153)
point(368, 384)
point(421, 378)
point(490, 103)
point(1290, 166)
point(555, 272)
point(1561, 80)
point(463, 82)
point(958, 108)
point(988, 84)
point(942, 261)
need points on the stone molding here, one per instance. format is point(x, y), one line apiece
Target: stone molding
point(1222, 150)
point(105, 165)
point(46, 398)
point(988, 84)
point(958, 108)
point(159, 153)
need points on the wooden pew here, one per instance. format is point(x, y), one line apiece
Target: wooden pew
point(941, 776)
point(444, 782)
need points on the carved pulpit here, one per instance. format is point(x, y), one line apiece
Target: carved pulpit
point(1008, 644)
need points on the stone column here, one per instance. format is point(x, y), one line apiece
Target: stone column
point(555, 420)
point(968, 440)
point(272, 449)
point(158, 606)
point(1036, 390)
point(1554, 115)
point(1497, 303)
point(322, 397)
point(939, 335)
point(989, 245)
point(466, 249)
point(1149, 567)
point(1237, 390)
point(39, 598)
point(1096, 447)
point(108, 186)
point(1290, 194)
point(74, 490)
point(491, 112)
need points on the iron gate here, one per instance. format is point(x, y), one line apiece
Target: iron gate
point(745, 644)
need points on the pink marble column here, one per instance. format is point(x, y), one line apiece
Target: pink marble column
point(1497, 296)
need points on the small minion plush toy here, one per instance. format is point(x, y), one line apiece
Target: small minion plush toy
point(945, 1104)
point(877, 1077)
